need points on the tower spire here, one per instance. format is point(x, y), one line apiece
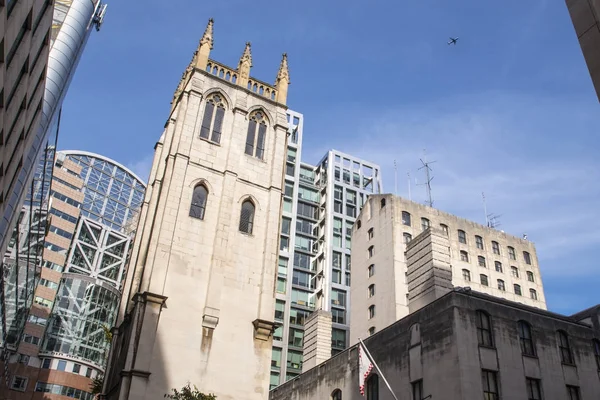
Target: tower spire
point(244, 66)
point(282, 81)
point(205, 46)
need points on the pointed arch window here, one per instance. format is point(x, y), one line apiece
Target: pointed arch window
point(373, 387)
point(336, 395)
point(256, 137)
point(198, 206)
point(212, 122)
point(247, 217)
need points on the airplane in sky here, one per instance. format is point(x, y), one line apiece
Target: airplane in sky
point(453, 40)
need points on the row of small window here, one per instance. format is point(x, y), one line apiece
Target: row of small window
point(61, 365)
point(347, 176)
point(483, 279)
point(212, 126)
point(64, 198)
point(61, 232)
point(462, 238)
point(489, 380)
point(198, 208)
point(464, 256)
point(485, 337)
point(296, 338)
point(20, 383)
point(298, 317)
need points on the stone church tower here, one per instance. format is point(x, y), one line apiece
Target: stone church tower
point(199, 302)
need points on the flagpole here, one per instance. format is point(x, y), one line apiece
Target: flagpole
point(377, 368)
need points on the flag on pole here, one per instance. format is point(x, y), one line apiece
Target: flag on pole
point(364, 368)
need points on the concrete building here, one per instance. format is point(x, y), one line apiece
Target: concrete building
point(463, 345)
point(319, 209)
point(200, 296)
point(585, 16)
point(76, 250)
point(43, 42)
point(488, 260)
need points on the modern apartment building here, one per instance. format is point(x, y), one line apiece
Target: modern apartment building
point(585, 15)
point(486, 259)
point(320, 206)
point(43, 41)
point(199, 300)
point(58, 344)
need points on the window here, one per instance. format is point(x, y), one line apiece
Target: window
point(514, 271)
point(294, 359)
point(511, 253)
point(370, 233)
point(257, 131)
point(424, 224)
point(46, 363)
point(371, 270)
point(358, 224)
point(76, 368)
point(371, 330)
point(481, 261)
point(533, 294)
point(281, 285)
point(496, 248)
point(62, 364)
point(573, 392)
point(336, 395)
point(338, 316)
point(371, 291)
point(407, 237)
point(296, 337)
point(417, 390)
point(596, 345)
point(565, 348)
point(382, 203)
point(19, 383)
point(198, 205)
point(406, 218)
point(371, 251)
point(517, 289)
point(479, 242)
point(490, 385)
point(501, 285)
point(484, 280)
point(533, 389)
point(484, 329)
point(338, 338)
point(527, 258)
point(466, 275)
point(526, 338)
point(373, 387)
point(462, 236)
point(530, 276)
point(371, 311)
point(464, 256)
point(279, 310)
point(498, 265)
point(247, 217)
point(213, 118)
point(444, 228)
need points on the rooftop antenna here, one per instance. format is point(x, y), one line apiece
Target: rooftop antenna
point(395, 179)
point(428, 177)
point(409, 196)
point(487, 222)
point(494, 222)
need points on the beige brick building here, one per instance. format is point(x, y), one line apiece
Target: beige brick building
point(199, 298)
point(486, 259)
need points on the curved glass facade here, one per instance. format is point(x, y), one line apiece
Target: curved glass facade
point(113, 193)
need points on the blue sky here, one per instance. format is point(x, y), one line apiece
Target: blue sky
point(509, 111)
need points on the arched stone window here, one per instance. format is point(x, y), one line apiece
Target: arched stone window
point(336, 394)
point(247, 217)
point(566, 356)
point(257, 135)
point(526, 338)
point(212, 123)
point(373, 387)
point(484, 329)
point(198, 206)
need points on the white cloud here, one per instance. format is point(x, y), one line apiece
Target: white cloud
point(497, 143)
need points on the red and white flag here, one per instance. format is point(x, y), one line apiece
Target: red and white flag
point(364, 368)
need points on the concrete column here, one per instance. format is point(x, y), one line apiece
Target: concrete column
point(317, 339)
point(428, 268)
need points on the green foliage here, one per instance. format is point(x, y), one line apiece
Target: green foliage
point(187, 393)
point(107, 334)
point(96, 385)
